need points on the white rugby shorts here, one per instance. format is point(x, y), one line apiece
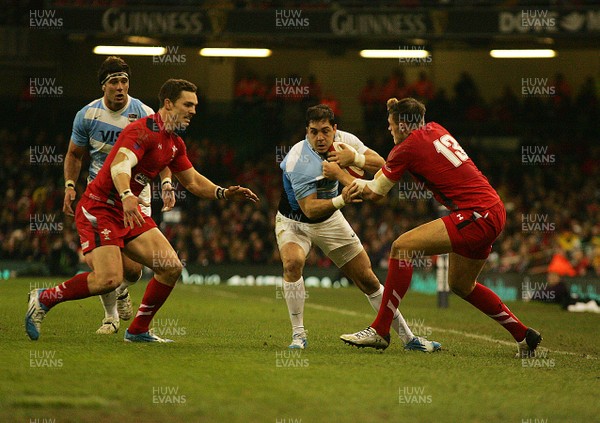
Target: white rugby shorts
point(333, 236)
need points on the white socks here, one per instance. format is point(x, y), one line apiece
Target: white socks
point(124, 285)
point(295, 295)
point(109, 301)
point(398, 324)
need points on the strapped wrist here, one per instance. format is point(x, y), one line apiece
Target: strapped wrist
point(359, 160)
point(69, 183)
point(220, 193)
point(338, 202)
point(125, 194)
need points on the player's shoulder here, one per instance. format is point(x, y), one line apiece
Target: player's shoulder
point(343, 136)
point(350, 139)
point(137, 104)
point(299, 158)
point(90, 109)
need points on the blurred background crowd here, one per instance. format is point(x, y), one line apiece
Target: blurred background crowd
point(553, 202)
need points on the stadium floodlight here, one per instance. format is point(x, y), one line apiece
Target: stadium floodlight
point(235, 52)
point(394, 54)
point(523, 54)
point(130, 50)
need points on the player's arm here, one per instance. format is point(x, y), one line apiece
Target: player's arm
point(120, 172)
point(166, 190)
point(369, 161)
point(373, 190)
point(332, 170)
point(373, 162)
point(315, 208)
point(203, 187)
point(72, 169)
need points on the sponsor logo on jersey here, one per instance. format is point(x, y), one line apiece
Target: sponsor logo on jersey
point(141, 179)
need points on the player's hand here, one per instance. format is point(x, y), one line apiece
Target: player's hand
point(344, 157)
point(351, 194)
point(168, 197)
point(70, 195)
point(132, 214)
point(331, 170)
point(237, 192)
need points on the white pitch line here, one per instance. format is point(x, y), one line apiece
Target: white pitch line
point(451, 331)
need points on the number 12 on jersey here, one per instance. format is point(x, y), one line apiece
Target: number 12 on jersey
point(451, 150)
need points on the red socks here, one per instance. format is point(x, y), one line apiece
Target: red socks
point(155, 296)
point(73, 289)
point(488, 302)
point(396, 284)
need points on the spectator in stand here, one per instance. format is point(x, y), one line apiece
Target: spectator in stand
point(422, 88)
point(249, 91)
point(370, 100)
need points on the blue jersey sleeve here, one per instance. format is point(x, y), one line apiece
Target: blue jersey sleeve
point(79, 135)
point(302, 184)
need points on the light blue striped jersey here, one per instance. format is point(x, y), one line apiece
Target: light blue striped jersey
point(303, 175)
point(97, 128)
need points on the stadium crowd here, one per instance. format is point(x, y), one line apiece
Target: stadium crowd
point(548, 183)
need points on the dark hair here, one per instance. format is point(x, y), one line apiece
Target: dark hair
point(318, 113)
point(112, 64)
point(172, 89)
point(407, 110)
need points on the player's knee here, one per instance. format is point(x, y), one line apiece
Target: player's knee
point(292, 268)
point(462, 290)
point(109, 280)
point(398, 248)
point(172, 271)
point(133, 273)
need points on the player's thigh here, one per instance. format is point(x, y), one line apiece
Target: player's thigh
point(336, 238)
point(105, 261)
point(359, 270)
point(153, 250)
point(425, 240)
point(463, 273)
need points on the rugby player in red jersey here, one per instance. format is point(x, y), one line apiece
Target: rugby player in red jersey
point(476, 219)
point(108, 216)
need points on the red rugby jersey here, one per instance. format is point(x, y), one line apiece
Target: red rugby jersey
point(435, 158)
point(155, 149)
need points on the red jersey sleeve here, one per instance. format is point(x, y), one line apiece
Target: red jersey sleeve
point(181, 161)
point(135, 138)
point(396, 163)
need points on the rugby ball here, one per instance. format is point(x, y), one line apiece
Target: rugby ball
point(354, 171)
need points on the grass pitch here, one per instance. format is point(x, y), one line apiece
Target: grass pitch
point(230, 362)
